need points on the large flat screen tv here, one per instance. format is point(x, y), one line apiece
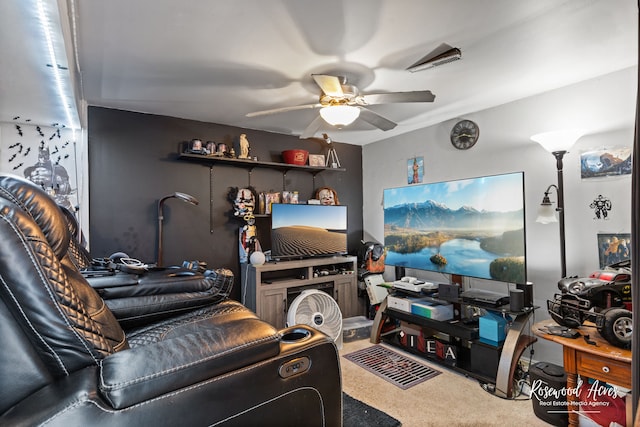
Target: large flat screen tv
point(303, 231)
point(469, 227)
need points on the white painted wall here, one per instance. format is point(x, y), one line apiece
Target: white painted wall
point(19, 146)
point(605, 107)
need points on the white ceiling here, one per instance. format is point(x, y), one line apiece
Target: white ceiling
point(217, 60)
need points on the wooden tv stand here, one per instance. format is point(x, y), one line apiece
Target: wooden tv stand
point(268, 289)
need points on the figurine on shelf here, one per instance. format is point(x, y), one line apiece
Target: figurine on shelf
point(244, 204)
point(327, 196)
point(332, 155)
point(211, 148)
point(244, 147)
point(221, 149)
point(195, 147)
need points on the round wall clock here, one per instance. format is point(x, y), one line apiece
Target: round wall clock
point(464, 134)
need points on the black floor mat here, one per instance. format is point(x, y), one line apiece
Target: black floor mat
point(358, 414)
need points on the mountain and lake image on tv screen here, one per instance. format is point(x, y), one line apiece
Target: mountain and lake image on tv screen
point(470, 227)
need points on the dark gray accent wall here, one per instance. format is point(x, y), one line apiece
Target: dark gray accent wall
point(133, 162)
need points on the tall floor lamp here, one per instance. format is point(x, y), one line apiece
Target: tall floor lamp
point(557, 143)
point(182, 196)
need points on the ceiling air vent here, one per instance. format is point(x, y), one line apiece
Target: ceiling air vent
point(441, 55)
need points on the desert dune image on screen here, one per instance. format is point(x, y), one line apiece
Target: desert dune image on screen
point(470, 227)
point(308, 230)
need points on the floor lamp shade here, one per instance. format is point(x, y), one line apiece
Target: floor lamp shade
point(546, 211)
point(558, 140)
point(546, 215)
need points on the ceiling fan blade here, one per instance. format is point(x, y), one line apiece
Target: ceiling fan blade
point(330, 85)
point(376, 119)
point(396, 97)
point(312, 128)
point(283, 110)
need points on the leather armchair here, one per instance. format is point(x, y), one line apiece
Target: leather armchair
point(67, 361)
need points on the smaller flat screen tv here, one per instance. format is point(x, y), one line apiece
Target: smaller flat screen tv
point(305, 231)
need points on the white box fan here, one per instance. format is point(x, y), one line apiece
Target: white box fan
point(318, 310)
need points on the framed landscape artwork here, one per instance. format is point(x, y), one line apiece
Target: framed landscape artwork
point(605, 162)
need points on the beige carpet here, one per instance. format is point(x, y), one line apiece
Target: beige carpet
point(449, 399)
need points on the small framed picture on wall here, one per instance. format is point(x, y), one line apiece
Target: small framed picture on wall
point(613, 248)
point(415, 170)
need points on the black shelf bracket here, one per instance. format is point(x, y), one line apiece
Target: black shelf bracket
point(211, 199)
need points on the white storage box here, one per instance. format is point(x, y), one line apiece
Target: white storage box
point(402, 303)
point(432, 310)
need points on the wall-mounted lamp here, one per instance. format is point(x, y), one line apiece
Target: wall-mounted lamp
point(182, 196)
point(340, 115)
point(557, 143)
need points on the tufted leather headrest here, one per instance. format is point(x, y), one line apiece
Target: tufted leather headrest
point(63, 316)
point(78, 254)
point(42, 208)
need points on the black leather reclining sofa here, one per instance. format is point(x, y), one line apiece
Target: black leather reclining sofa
point(66, 360)
point(136, 294)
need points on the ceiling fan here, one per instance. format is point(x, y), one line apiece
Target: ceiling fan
point(341, 104)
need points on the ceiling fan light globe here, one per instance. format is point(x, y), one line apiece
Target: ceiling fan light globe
point(339, 115)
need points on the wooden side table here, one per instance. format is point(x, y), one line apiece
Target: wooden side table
point(601, 361)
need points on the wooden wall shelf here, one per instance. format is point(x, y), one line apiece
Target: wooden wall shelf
point(251, 164)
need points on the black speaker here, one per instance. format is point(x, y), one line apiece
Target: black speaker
point(528, 293)
point(400, 272)
point(448, 292)
point(516, 300)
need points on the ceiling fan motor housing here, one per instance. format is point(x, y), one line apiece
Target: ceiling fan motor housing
point(349, 94)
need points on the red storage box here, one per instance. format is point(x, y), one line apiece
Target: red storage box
point(295, 157)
